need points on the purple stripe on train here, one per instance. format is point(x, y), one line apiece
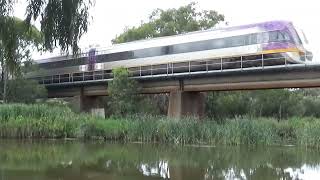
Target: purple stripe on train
point(283, 26)
point(277, 45)
point(268, 26)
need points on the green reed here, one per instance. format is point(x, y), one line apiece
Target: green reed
point(47, 121)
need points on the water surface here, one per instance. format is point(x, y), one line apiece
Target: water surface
point(73, 160)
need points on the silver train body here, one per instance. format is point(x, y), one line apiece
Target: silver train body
point(278, 41)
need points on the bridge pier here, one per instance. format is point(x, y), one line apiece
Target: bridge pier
point(90, 104)
point(186, 104)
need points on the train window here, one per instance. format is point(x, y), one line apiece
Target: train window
point(201, 45)
point(246, 40)
point(253, 39)
point(273, 36)
point(227, 42)
point(263, 38)
point(286, 36)
point(238, 41)
point(148, 52)
point(172, 49)
point(219, 43)
point(182, 48)
point(104, 58)
point(166, 50)
point(277, 36)
point(121, 55)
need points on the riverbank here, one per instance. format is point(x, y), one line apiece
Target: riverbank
point(48, 121)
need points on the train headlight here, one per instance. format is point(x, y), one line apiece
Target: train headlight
point(306, 56)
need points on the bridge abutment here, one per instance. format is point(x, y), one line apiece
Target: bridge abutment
point(186, 104)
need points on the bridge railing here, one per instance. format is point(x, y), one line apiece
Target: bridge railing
point(216, 65)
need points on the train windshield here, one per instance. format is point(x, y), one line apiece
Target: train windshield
point(279, 36)
point(274, 36)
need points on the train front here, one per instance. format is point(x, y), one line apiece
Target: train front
point(304, 54)
point(284, 38)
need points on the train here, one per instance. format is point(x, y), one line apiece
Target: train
point(253, 45)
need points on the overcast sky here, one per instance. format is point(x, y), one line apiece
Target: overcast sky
point(109, 18)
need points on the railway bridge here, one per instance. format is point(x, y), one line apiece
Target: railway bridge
point(257, 56)
point(186, 86)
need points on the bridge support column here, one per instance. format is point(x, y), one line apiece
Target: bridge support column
point(93, 105)
point(186, 104)
point(90, 104)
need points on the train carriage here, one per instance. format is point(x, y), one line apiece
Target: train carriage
point(262, 44)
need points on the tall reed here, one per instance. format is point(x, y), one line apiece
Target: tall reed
point(45, 121)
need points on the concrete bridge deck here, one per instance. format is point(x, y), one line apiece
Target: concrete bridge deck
point(293, 76)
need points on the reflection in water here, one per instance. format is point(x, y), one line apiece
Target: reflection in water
point(305, 172)
point(48, 160)
point(160, 169)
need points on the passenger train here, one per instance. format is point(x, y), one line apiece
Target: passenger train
point(277, 42)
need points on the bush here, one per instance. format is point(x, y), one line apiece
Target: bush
point(280, 104)
point(123, 93)
point(24, 91)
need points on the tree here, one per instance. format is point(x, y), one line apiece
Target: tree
point(123, 92)
point(172, 22)
point(221, 105)
point(279, 103)
point(62, 22)
point(21, 90)
point(15, 39)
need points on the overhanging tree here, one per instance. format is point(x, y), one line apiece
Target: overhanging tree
point(16, 38)
point(63, 22)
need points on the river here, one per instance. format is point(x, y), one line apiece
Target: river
point(74, 160)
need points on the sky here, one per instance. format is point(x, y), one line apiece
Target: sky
point(109, 18)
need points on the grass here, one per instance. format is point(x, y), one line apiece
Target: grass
point(45, 121)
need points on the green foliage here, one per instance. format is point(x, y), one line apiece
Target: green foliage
point(124, 98)
point(25, 91)
point(227, 104)
point(36, 121)
point(148, 105)
point(62, 22)
point(171, 22)
point(311, 106)
point(278, 103)
point(281, 104)
point(123, 93)
point(16, 39)
point(47, 121)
